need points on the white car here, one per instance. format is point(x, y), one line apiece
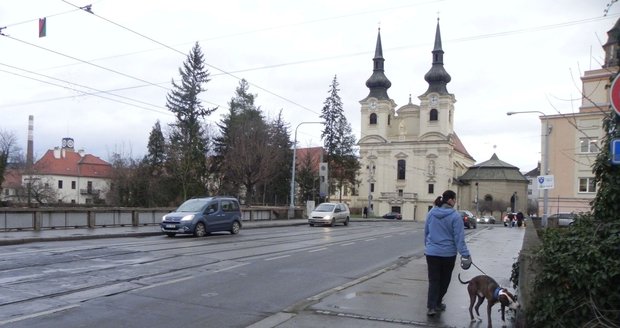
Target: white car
point(329, 214)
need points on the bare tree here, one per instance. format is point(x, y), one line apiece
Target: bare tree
point(8, 151)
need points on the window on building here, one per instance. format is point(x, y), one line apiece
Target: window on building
point(73, 201)
point(88, 201)
point(431, 188)
point(434, 115)
point(6, 192)
point(389, 119)
point(400, 193)
point(89, 187)
point(73, 184)
point(373, 118)
point(401, 169)
point(59, 184)
point(430, 208)
point(587, 185)
point(589, 145)
point(372, 187)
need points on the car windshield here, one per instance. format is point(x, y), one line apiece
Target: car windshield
point(325, 208)
point(192, 205)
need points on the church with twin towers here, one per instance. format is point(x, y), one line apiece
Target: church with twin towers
point(409, 155)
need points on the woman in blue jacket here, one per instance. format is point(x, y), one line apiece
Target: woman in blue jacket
point(444, 236)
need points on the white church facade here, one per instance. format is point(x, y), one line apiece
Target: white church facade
point(409, 155)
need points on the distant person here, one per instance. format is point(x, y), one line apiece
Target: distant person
point(365, 212)
point(520, 219)
point(444, 236)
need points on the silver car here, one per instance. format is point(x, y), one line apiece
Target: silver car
point(329, 214)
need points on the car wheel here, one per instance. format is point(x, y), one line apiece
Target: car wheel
point(235, 228)
point(171, 234)
point(346, 221)
point(200, 230)
point(333, 223)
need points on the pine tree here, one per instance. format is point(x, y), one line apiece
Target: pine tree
point(188, 149)
point(339, 142)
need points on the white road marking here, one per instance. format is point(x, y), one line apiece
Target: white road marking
point(276, 258)
point(164, 283)
point(317, 250)
point(347, 244)
point(370, 239)
point(231, 267)
point(34, 315)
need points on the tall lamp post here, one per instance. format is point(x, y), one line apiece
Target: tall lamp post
point(291, 210)
point(545, 169)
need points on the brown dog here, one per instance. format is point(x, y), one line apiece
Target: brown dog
point(484, 287)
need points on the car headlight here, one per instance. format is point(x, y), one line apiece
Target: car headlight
point(163, 218)
point(188, 217)
point(327, 217)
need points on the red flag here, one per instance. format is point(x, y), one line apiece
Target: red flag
point(42, 27)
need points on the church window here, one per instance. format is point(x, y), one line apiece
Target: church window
point(372, 187)
point(389, 119)
point(401, 169)
point(433, 115)
point(373, 118)
point(431, 188)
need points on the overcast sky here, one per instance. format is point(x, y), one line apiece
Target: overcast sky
point(92, 78)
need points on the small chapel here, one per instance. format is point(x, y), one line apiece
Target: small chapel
point(409, 155)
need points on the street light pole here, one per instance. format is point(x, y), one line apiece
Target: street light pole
point(291, 210)
point(545, 169)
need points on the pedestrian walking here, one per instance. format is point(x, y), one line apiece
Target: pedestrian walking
point(365, 212)
point(519, 219)
point(444, 237)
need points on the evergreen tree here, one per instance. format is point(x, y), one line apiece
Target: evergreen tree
point(606, 204)
point(338, 140)
point(243, 145)
point(275, 187)
point(187, 154)
point(156, 156)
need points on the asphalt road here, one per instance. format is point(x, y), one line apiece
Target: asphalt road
point(221, 280)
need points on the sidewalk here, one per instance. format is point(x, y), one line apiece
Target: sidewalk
point(396, 296)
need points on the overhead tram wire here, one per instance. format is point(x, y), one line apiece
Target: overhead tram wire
point(73, 89)
point(97, 91)
point(180, 52)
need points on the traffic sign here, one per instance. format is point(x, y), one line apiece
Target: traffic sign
point(614, 94)
point(545, 182)
point(615, 151)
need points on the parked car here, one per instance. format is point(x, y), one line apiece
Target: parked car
point(469, 219)
point(330, 214)
point(201, 216)
point(488, 219)
point(564, 219)
point(393, 216)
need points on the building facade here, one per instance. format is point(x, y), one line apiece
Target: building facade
point(63, 175)
point(494, 188)
point(574, 139)
point(409, 155)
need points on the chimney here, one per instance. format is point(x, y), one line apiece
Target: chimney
point(30, 151)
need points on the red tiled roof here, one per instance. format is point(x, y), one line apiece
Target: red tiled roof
point(313, 153)
point(458, 146)
point(72, 164)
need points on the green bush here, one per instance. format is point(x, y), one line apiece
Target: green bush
point(579, 282)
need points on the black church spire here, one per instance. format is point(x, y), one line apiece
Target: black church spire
point(437, 77)
point(378, 83)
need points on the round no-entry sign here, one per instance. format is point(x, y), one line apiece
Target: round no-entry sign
point(614, 94)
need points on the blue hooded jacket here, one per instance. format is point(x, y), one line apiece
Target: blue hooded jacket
point(444, 233)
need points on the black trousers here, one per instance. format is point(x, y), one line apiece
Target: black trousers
point(439, 275)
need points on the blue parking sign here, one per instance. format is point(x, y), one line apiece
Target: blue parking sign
point(615, 151)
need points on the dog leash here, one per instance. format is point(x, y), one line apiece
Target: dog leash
point(474, 264)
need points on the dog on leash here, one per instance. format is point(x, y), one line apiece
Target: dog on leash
point(484, 287)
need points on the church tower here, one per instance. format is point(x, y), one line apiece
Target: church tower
point(437, 104)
